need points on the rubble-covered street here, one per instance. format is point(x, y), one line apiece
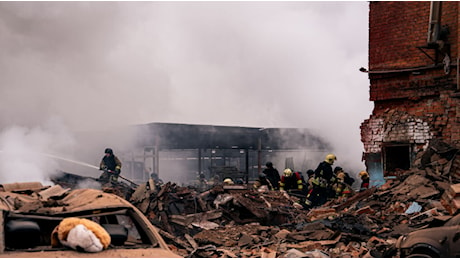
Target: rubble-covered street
point(238, 221)
point(219, 130)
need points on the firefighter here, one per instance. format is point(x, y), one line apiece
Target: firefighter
point(365, 180)
point(111, 166)
point(348, 180)
point(263, 181)
point(342, 189)
point(272, 175)
point(291, 181)
point(228, 181)
point(322, 183)
point(311, 177)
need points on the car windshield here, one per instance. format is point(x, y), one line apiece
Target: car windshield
point(33, 232)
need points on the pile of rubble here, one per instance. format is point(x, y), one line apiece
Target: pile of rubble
point(238, 221)
point(67, 180)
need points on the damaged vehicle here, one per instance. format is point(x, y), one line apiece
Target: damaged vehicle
point(31, 212)
point(442, 241)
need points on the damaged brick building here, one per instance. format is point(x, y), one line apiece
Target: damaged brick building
point(414, 75)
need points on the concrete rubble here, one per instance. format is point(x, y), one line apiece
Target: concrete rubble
point(238, 221)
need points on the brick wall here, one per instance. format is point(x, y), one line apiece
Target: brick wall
point(414, 93)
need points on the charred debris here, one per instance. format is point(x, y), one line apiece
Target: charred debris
point(234, 221)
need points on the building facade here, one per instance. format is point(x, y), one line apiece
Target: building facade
point(414, 76)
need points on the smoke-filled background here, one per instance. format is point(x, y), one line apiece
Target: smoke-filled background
point(68, 68)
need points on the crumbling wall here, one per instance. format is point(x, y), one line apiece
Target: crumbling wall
point(394, 126)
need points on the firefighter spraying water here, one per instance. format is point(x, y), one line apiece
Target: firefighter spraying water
point(111, 167)
point(92, 166)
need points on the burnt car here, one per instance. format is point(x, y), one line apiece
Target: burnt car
point(442, 241)
point(31, 211)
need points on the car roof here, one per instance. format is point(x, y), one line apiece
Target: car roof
point(32, 201)
point(54, 200)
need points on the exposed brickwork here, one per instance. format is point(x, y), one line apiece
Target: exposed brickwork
point(395, 29)
point(415, 98)
point(396, 127)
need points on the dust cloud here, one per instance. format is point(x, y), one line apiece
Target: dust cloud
point(98, 66)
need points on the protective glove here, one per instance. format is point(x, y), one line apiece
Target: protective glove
point(114, 178)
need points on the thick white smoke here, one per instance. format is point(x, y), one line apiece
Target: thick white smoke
point(25, 151)
point(102, 65)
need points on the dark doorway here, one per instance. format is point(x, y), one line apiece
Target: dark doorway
point(396, 157)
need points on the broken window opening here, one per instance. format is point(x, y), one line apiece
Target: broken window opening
point(396, 157)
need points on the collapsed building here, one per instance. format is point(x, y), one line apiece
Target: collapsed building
point(234, 221)
point(410, 143)
point(414, 83)
point(410, 146)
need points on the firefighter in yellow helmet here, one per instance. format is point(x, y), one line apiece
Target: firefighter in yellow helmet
point(342, 189)
point(291, 180)
point(330, 158)
point(228, 181)
point(322, 183)
point(365, 180)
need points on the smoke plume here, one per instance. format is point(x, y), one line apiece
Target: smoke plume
point(102, 65)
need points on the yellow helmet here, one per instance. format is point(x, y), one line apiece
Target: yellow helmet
point(228, 181)
point(363, 174)
point(287, 172)
point(330, 158)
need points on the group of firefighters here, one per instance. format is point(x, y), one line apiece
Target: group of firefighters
point(322, 184)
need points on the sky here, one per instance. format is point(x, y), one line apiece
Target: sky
point(68, 67)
